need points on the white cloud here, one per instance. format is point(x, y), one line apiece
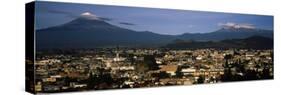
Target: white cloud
point(236, 25)
point(190, 26)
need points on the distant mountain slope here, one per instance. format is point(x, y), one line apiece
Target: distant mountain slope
point(253, 42)
point(88, 33)
point(230, 33)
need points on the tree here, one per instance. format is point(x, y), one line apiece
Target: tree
point(93, 80)
point(163, 74)
point(131, 58)
point(227, 72)
point(151, 62)
point(179, 74)
point(200, 80)
point(142, 67)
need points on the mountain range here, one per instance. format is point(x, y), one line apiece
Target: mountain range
point(253, 42)
point(86, 32)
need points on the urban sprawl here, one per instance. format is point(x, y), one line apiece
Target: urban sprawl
point(113, 68)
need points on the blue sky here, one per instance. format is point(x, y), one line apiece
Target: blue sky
point(161, 21)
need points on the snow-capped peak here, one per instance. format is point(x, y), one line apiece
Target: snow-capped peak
point(89, 15)
point(231, 25)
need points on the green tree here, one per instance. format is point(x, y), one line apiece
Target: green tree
point(151, 62)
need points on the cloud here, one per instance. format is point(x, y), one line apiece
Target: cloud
point(126, 23)
point(190, 26)
point(236, 25)
point(105, 19)
point(66, 13)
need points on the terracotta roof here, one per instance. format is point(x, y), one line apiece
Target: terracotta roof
point(169, 68)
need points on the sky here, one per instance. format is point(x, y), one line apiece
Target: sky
point(161, 21)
